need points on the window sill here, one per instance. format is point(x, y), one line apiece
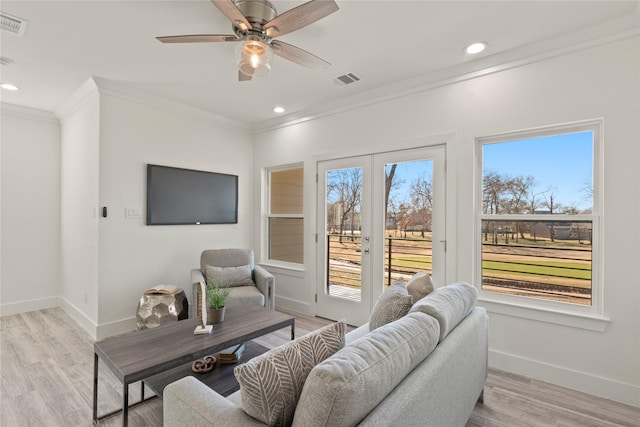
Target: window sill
point(591, 322)
point(289, 269)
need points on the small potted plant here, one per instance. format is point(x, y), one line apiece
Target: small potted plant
point(216, 298)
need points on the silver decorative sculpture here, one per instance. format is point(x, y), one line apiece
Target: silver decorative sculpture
point(156, 309)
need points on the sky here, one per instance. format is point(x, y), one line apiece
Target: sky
point(562, 164)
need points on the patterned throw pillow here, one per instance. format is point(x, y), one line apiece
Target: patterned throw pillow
point(394, 303)
point(271, 384)
point(419, 286)
point(228, 276)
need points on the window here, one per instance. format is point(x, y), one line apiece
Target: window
point(538, 228)
point(285, 220)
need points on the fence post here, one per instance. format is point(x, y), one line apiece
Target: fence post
point(389, 264)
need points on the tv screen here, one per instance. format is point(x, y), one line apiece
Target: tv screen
point(183, 196)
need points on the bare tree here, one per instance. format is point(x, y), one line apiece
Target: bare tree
point(422, 197)
point(344, 186)
point(550, 203)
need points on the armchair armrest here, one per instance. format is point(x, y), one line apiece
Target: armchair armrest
point(266, 283)
point(188, 402)
point(196, 277)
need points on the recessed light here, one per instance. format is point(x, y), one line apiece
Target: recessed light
point(475, 48)
point(278, 110)
point(9, 86)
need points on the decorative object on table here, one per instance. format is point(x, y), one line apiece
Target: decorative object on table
point(232, 354)
point(201, 304)
point(162, 289)
point(216, 297)
point(157, 307)
point(203, 365)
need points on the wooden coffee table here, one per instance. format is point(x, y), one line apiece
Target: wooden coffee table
point(142, 354)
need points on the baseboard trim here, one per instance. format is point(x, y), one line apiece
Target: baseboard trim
point(29, 305)
point(294, 305)
point(587, 383)
point(116, 327)
point(79, 316)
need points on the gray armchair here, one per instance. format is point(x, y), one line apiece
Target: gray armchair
point(260, 292)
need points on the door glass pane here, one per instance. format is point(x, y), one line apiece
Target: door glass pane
point(408, 225)
point(343, 226)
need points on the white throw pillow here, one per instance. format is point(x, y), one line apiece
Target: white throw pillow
point(394, 303)
point(420, 286)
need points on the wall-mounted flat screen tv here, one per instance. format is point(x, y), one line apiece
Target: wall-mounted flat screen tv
point(183, 196)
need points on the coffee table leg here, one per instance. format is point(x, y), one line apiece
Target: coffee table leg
point(125, 405)
point(293, 330)
point(95, 388)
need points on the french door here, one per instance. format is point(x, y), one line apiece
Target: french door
point(380, 218)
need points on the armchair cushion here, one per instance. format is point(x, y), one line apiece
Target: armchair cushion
point(244, 295)
point(229, 276)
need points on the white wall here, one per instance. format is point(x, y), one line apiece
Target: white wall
point(30, 198)
point(134, 256)
point(79, 205)
point(598, 82)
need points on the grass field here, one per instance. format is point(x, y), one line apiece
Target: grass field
point(560, 265)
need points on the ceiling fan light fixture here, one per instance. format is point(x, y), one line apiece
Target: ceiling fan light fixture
point(254, 57)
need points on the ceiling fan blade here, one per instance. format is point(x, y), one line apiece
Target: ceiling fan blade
point(231, 11)
point(299, 56)
point(299, 17)
point(198, 38)
point(242, 77)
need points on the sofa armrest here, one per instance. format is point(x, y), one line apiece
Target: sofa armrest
point(188, 402)
point(196, 277)
point(266, 283)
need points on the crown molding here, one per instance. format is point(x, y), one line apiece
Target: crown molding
point(28, 112)
point(609, 32)
point(136, 95)
point(78, 99)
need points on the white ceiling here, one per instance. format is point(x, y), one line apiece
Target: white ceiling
point(392, 45)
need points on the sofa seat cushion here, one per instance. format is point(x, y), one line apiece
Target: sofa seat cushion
point(271, 383)
point(392, 304)
point(228, 276)
point(449, 305)
point(343, 389)
point(244, 295)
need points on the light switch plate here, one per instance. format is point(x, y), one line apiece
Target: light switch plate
point(133, 212)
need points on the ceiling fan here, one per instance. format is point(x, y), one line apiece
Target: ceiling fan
point(256, 24)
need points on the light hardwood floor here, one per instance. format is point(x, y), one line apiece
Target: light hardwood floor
point(46, 368)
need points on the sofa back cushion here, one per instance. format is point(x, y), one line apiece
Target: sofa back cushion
point(271, 383)
point(343, 389)
point(449, 305)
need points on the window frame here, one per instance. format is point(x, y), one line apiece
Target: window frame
point(583, 316)
point(268, 215)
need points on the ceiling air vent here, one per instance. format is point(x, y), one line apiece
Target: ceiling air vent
point(346, 79)
point(12, 24)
